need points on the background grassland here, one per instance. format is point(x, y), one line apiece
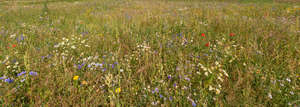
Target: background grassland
point(165, 53)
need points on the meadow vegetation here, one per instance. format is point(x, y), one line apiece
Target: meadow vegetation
point(149, 53)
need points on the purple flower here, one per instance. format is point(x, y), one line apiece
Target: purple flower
point(8, 80)
point(174, 85)
point(89, 65)
point(98, 65)
point(80, 66)
point(161, 96)
point(2, 78)
point(170, 98)
point(22, 37)
point(194, 104)
point(112, 66)
point(104, 69)
point(156, 90)
point(186, 78)
point(33, 73)
point(169, 77)
point(20, 74)
point(23, 80)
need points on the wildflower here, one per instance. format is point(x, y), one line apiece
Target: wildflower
point(154, 103)
point(73, 47)
point(186, 78)
point(80, 66)
point(2, 78)
point(14, 45)
point(161, 96)
point(175, 85)
point(33, 73)
point(8, 80)
point(118, 90)
point(207, 44)
point(292, 93)
point(288, 79)
point(121, 70)
point(170, 98)
point(23, 80)
point(194, 104)
point(156, 90)
point(20, 74)
point(98, 65)
point(76, 77)
point(203, 35)
point(84, 83)
point(169, 76)
point(210, 88)
point(112, 66)
point(231, 34)
point(270, 95)
point(218, 91)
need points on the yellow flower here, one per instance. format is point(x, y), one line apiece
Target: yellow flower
point(76, 77)
point(84, 83)
point(118, 90)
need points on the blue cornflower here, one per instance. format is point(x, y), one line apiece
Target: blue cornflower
point(98, 65)
point(194, 104)
point(33, 73)
point(20, 74)
point(2, 78)
point(153, 91)
point(156, 90)
point(174, 84)
point(8, 80)
point(161, 96)
point(80, 66)
point(169, 76)
point(21, 37)
point(104, 69)
point(22, 80)
point(186, 78)
point(170, 98)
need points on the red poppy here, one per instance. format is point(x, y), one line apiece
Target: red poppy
point(207, 44)
point(231, 34)
point(203, 35)
point(14, 45)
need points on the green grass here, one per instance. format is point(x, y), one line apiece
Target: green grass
point(164, 53)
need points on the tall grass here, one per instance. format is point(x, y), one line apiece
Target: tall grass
point(147, 53)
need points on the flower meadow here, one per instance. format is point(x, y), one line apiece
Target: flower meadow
point(186, 53)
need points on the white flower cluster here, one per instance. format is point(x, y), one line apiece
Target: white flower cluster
point(66, 45)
